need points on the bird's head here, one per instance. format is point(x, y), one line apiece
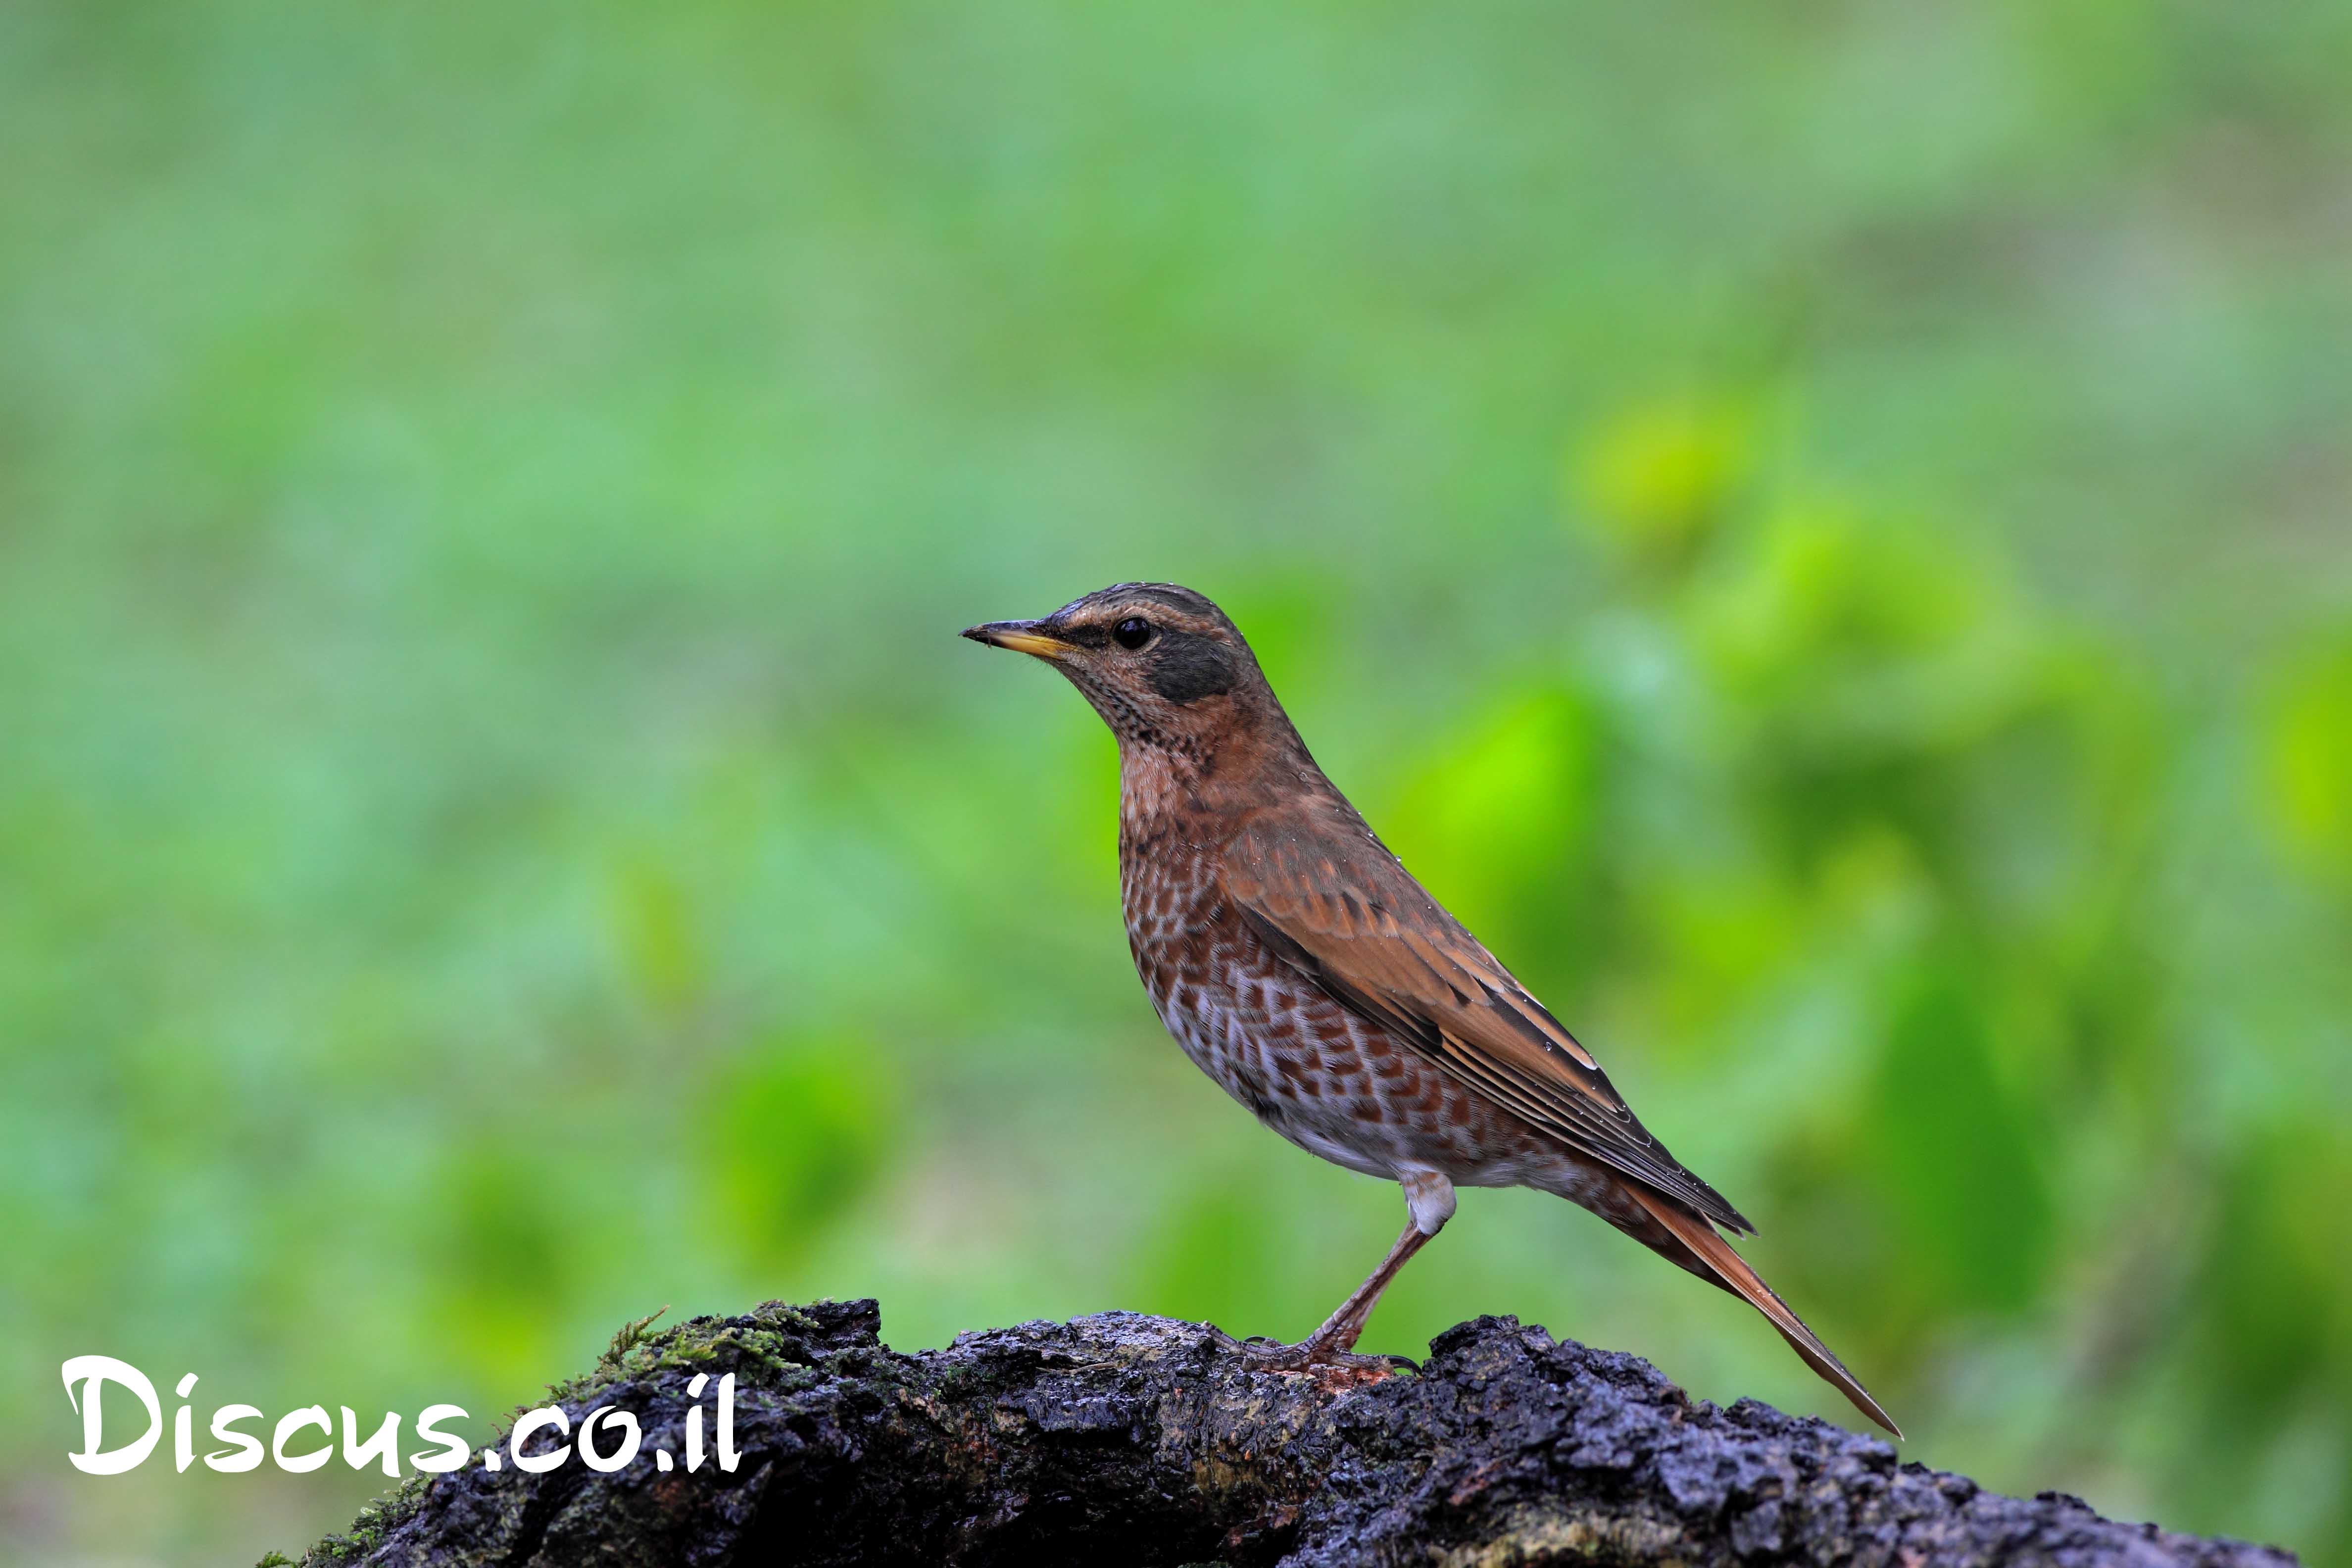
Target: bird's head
point(1162, 665)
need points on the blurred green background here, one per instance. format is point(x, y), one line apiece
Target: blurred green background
point(1822, 531)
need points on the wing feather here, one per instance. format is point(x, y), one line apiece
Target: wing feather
point(1325, 895)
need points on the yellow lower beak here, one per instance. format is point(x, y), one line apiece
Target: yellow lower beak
point(1021, 636)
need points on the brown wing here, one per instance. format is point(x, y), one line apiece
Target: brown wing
point(1328, 897)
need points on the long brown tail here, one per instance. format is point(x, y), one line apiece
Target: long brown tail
point(1733, 1271)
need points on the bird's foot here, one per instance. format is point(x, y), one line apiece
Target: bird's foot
point(1265, 1354)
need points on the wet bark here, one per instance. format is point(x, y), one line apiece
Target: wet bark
point(1129, 1439)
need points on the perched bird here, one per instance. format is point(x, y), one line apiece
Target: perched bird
point(1303, 968)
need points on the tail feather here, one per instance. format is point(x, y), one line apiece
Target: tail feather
point(1732, 1270)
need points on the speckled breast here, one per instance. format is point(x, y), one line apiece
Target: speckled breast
point(1330, 1082)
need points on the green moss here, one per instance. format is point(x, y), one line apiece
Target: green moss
point(626, 1338)
point(377, 1519)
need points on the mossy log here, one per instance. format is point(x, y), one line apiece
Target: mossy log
point(1129, 1439)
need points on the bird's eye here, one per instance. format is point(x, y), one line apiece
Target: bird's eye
point(1132, 632)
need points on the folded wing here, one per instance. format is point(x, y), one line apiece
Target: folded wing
point(1322, 892)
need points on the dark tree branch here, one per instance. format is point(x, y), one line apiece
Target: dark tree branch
point(1127, 1439)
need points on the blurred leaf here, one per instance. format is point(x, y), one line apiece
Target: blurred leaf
point(1211, 1259)
point(660, 947)
point(1500, 821)
point(507, 1253)
point(2276, 1277)
point(2308, 753)
point(1961, 1156)
point(1853, 630)
point(1288, 622)
point(792, 1135)
point(1719, 935)
point(1657, 478)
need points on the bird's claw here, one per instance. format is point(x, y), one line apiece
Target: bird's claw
point(1265, 1354)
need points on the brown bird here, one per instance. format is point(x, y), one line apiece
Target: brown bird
point(1303, 968)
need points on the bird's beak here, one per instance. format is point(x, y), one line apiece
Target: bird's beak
point(1021, 636)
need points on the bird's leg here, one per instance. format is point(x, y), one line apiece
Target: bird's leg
point(1430, 1198)
point(1343, 1328)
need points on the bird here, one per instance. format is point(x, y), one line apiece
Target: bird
point(1301, 967)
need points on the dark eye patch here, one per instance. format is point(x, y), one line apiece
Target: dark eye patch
point(1186, 667)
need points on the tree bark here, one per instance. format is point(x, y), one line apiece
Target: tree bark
point(1124, 1439)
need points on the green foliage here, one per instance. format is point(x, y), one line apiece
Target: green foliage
point(1504, 815)
point(1210, 1262)
point(1819, 532)
point(2310, 756)
point(2275, 1274)
point(1962, 1171)
point(1658, 477)
point(795, 1135)
point(504, 1250)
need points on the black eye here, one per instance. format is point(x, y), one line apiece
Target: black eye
point(1132, 632)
